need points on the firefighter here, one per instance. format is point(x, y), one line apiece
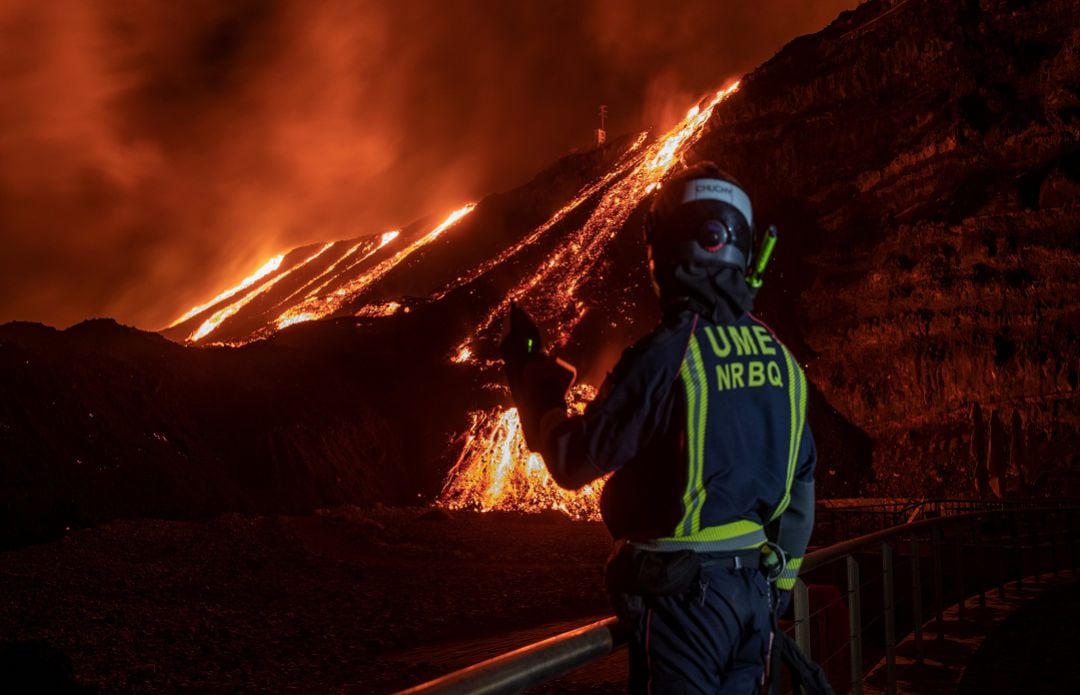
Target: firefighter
point(702, 426)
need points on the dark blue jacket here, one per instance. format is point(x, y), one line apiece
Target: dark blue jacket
point(703, 427)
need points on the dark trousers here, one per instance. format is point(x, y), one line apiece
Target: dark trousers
point(712, 639)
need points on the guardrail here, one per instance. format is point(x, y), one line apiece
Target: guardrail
point(878, 587)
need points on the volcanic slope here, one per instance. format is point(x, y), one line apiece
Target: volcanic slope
point(926, 194)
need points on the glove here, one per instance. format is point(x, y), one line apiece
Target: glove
point(538, 382)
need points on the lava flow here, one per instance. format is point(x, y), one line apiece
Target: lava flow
point(319, 307)
point(321, 293)
point(495, 469)
point(266, 268)
point(210, 324)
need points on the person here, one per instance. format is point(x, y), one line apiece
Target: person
point(702, 428)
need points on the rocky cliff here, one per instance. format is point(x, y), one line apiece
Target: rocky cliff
point(923, 161)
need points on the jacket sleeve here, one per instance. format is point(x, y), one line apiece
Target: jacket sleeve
point(797, 521)
point(581, 448)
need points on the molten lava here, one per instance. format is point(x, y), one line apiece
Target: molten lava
point(496, 470)
point(267, 268)
point(319, 307)
point(209, 325)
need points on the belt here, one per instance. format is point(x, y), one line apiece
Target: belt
point(732, 560)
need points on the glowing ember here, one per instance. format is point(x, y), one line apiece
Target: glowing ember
point(214, 321)
point(388, 309)
point(267, 268)
point(497, 471)
point(462, 355)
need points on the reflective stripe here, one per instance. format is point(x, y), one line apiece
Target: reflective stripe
point(792, 444)
point(801, 417)
point(693, 376)
point(737, 535)
point(786, 580)
point(703, 413)
point(691, 450)
point(791, 569)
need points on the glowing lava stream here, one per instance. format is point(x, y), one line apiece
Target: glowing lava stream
point(309, 309)
point(210, 324)
point(495, 469)
point(329, 269)
point(560, 275)
point(317, 308)
point(621, 166)
point(267, 268)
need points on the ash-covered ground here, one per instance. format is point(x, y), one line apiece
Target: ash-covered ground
point(345, 600)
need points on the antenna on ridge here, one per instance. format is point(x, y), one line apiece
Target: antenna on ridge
point(601, 134)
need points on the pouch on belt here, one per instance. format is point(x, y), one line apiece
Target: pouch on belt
point(632, 570)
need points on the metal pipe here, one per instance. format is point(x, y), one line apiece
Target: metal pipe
point(801, 601)
point(531, 665)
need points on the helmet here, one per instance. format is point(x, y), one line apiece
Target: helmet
point(700, 216)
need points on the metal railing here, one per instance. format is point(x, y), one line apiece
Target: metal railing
point(842, 519)
point(853, 599)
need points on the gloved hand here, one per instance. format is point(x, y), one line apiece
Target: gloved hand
point(521, 344)
point(538, 382)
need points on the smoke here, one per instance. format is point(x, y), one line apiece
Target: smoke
point(152, 153)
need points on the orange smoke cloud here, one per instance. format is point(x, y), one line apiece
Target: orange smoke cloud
point(154, 153)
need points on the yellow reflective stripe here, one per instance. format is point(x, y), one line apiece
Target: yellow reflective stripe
point(785, 583)
point(802, 425)
point(735, 535)
point(723, 532)
point(691, 407)
point(703, 410)
point(792, 401)
point(794, 563)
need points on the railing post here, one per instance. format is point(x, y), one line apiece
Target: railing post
point(854, 625)
point(979, 546)
point(1019, 553)
point(801, 601)
point(1072, 545)
point(890, 617)
point(999, 554)
point(939, 607)
point(1036, 546)
point(916, 598)
point(1054, 527)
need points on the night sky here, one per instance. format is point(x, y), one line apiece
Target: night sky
point(152, 153)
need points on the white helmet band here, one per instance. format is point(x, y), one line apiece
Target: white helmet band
point(724, 191)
